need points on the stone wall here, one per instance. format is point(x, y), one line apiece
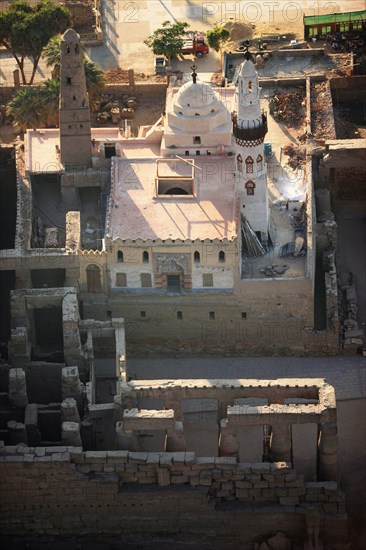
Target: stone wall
point(69, 491)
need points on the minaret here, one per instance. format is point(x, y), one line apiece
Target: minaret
point(75, 134)
point(249, 130)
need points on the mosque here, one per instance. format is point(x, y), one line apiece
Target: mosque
point(206, 241)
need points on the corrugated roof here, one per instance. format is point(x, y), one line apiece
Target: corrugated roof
point(335, 18)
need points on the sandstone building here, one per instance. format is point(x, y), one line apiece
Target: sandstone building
point(188, 239)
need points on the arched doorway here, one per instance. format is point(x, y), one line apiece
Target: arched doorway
point(93, 278)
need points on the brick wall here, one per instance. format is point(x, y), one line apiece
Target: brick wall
point(63, 490)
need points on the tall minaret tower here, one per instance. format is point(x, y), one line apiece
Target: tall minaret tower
point(249, 129)
point(75, 134)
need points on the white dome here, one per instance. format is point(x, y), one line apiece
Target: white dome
point(195, 94)
point(248, 69)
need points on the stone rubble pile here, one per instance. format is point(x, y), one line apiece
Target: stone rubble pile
point(288, 107)
point(322, 119)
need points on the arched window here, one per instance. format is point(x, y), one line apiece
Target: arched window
point(120, 256)
point(145, 257)
point(239, 162)
point(93, 278)
point(77, 49)
point(196, 257)
point(250, 186)
point(250, 86)
point(67, 49)
point(221, 257)
point(249, 165)
point(259, 162)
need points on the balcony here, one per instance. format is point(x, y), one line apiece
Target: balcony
point(250, 134)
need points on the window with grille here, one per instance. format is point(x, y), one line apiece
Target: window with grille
point(145, 280)
point(249, 165)
point(259, 162)
point(250, 186)
point(207, 279)
point(121, 279)
point(239, 160)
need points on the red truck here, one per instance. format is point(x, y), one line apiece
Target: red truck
point(195, 44)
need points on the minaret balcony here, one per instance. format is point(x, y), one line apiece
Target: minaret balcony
point(250, 134)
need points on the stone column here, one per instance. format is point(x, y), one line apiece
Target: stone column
point(123, 440)
point(17, 388)
point(23, 278)
point(19, 347)
point(228, 441)
point(71, 385)
point(71, 434)
point(131, 78)
point(17, 432)
point(250, 439)
point(175, 441)
point(16, 78)
point(328, 452)
point(87, 434)
point(31, 424)
point(304, 450)
point(280, 443)
point(69, 410)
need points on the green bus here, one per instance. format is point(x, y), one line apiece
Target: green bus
point(353, 22)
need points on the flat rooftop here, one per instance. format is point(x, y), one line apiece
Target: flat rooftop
point(136, 212)
point(41, 147)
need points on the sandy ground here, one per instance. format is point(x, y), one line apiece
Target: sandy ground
point(127, 24)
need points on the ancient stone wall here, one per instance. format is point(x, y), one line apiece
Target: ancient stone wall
point(69, 491)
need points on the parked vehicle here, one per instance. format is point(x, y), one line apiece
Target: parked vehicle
point(161, 64)
point(195, 44)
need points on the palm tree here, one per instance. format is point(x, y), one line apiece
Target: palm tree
point(25, 108)
point(49, 101)
point(95, 81)
point(52, 54)
point(38, 106)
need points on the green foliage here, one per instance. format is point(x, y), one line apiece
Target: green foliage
point(168, 40)
point(93, 74)
point(38, 106)
point(217, 37)
point(25, 30)
point(95, 80)
point(25, 108)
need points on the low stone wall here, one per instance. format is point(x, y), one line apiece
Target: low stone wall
point(63, 490)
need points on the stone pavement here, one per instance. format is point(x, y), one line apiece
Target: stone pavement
point(346, 374)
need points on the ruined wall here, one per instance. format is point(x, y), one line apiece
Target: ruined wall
point(69, 491)
point(259, 317)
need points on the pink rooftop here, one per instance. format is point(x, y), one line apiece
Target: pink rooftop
point(136, 212)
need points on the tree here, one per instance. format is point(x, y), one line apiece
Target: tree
point(25, 108)
point(38, 106)
point(168, 40)
point(25, 30)
point(217, 37)
point(95, 80)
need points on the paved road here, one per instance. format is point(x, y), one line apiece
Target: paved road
point(126, 24)
point(347, 374)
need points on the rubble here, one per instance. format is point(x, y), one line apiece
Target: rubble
point(322, 120)
point(288, 107)
point(274, 269)
point(295, 154)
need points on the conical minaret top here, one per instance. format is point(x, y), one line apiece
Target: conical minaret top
point(75, 133)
